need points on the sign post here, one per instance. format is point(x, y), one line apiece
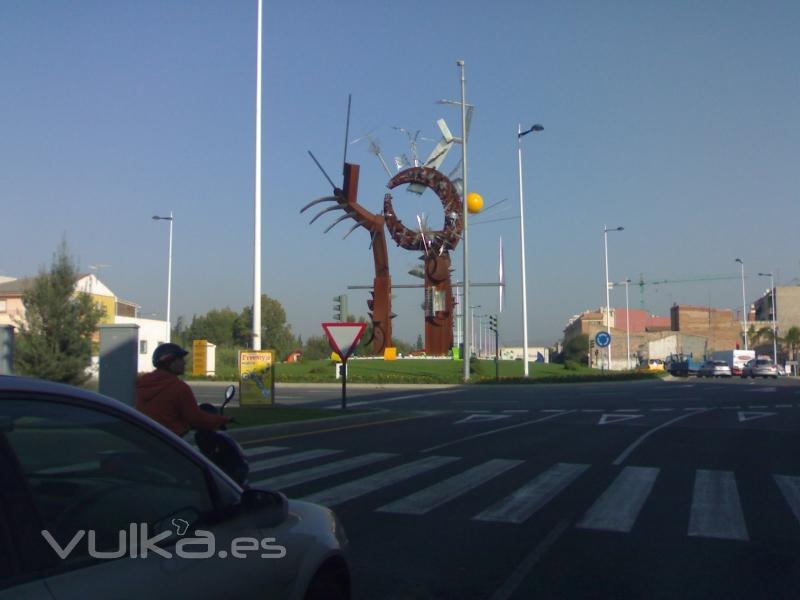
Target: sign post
point(343, 338)
point(603, 339)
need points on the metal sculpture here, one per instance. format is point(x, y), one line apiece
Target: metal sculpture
point(380, 305)
point(436, 246)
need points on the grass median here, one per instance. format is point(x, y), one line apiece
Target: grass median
point(432, 371)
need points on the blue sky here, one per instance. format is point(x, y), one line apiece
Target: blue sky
point(678, 120)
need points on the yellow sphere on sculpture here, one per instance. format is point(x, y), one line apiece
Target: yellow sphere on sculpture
point(474, 202)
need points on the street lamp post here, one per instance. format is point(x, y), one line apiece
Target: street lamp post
point(744, 307)
point(774, 317)
point(464, 189)
point(471, 331)
point(171, 219)
point(608, 290)
point(520, 134)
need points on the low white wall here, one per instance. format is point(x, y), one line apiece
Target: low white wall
point(151, 333)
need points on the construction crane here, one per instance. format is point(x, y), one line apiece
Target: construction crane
point(641, 283)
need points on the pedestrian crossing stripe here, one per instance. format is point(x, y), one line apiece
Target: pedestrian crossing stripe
point(715, 509)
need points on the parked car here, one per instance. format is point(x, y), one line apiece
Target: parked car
point(653, 364)
point(79, 471)
point(760, 367)
point(714, 368)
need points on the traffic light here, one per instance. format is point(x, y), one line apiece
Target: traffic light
point(340, 308)
point(492, 323)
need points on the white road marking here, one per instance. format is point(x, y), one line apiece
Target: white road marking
point(783, 406)
point(716, 511)
point(619, 506)
point(749, 416)
point(516, 411)
point(611, 418)
point(493, 431)
point(262, 450)
point(522, 504)
point(396, 398)
point(763, 390)
point(424, 501)
point(627, 409)
point(593, 410)
point(554, 410)
point(297, 477)
point(621, 458)
point(472, 412)
point(731, 407)
point(481, 418)
point(365, 485)
point(662, 409)
point(290, 459)
point(696, 408)
point(757, 406)
point(790, 487)
point(524, 568)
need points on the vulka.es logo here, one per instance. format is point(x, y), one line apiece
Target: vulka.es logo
point(135, 542)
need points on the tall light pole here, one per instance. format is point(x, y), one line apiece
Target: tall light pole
point(464, 188)
point(171, 219)
point(744, 307)
point(472, 329)
point(774, 317)
point(608, 287)
point(520, 135)
point(257, 212)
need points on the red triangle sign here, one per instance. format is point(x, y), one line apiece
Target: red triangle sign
point(344, 337)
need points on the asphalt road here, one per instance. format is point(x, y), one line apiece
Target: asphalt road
point(664, 489)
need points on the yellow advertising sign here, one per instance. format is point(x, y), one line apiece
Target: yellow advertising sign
point(199, 357)
point(257, 377)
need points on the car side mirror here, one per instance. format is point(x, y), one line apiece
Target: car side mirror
point(230, 392)
point(268, 508)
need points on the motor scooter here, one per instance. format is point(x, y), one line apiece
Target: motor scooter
point(220, 448)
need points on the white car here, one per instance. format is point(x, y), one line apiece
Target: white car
point(99, 501)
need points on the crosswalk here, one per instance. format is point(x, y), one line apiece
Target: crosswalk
point(715, 508)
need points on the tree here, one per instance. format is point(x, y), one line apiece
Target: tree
point(55, 340)
point(420, 345)
point(577, 348)
point(792, 341)
point(218, 326)
point(275, 332)
point(316, 347)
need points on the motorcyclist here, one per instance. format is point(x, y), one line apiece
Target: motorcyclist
point(163, 397)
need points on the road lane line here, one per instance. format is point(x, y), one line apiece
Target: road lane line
point(305, 475)
point(716, 511)
point(662, 409)
point(627, 409)
point(522, 504)
point(622, 457)
point(783, 406)
point(790, 488)
point(493, 431)
point(521, 572)
point(396, 398)
point(365, 485)
point(424, 501)
point(262, 450)
point(592, 410)
point(619, 506)
point(290, 459)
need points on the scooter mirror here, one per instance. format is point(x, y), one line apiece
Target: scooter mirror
point(230, 392)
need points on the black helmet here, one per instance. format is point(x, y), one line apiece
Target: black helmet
point(166, 353)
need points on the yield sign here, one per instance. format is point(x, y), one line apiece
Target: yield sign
point(344, 337)
point(606, 419)
point(750, 415)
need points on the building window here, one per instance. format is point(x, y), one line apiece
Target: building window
point(143, 347)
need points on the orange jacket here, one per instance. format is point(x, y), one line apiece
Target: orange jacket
point(163, 397)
